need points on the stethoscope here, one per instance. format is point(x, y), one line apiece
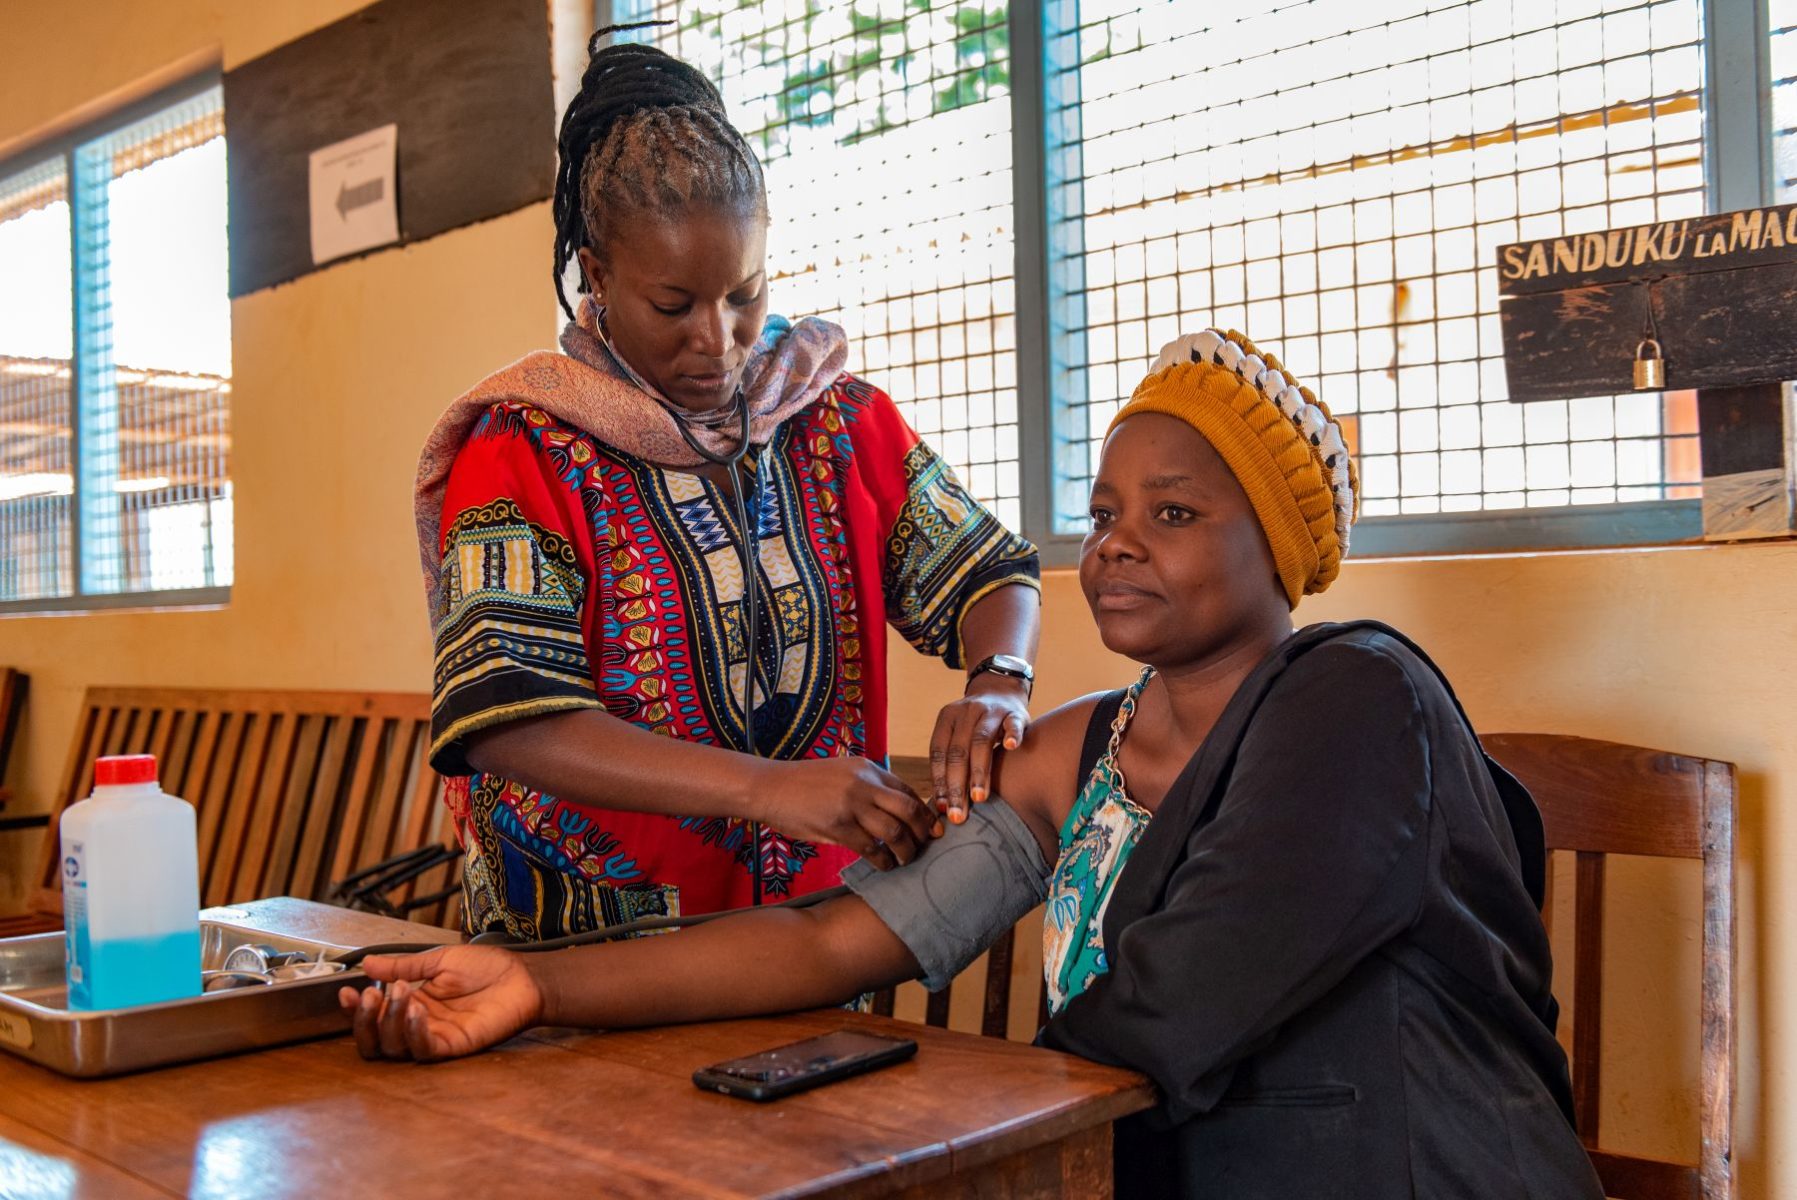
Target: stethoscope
point(750, 549)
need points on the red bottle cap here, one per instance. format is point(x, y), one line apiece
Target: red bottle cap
point(125, 768)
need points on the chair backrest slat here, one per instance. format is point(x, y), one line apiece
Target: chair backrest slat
point(427, 821)
point(118, 730)
point(164, 723)
point(277, 832)
point(228, 732)
point(320, 812)
point(176, 756)
point(421, 806)
point(1588, 993)
point(370, 747)
point(1716, 1161)
point(262, 741)
point(377, 829)
point(995, 1015)
point(936, 1008)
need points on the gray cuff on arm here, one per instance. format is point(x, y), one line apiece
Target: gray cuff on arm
point(956, 898)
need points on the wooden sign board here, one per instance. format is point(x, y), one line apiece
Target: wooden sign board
point(1719, 294)
point(468, 86)
point(1722, 291)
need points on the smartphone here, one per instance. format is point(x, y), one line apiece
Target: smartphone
point(788, 1069)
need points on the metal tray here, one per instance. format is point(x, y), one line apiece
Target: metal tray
point(36, 1022)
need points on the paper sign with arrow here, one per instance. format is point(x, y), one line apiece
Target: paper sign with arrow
point(353, 194)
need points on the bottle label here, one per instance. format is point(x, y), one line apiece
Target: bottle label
point(78, 952)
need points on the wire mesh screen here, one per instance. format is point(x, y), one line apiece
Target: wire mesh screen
point(1783, 14)
point(1335, 179)
point(35, 400)
point(115, 363)
point(885, 131)
point(154, 351)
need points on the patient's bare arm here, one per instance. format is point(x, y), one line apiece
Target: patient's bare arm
point(460, 999)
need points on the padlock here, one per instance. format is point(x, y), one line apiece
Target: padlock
point(1650, 366)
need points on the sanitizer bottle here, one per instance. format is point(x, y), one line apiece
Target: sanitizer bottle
point(130, 890)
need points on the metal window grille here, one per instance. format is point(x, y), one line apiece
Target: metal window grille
point(1783, 19)
point(885, 132)
point(1334, 180)
point(115, 362)
point(36, 478)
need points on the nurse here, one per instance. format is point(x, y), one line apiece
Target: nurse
point(661, 563)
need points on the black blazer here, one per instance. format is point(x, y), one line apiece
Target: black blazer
point(1327, 951)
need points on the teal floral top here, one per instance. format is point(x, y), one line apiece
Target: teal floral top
point(1096, 841)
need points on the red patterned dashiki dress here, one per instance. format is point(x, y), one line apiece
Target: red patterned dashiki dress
point(579, 576)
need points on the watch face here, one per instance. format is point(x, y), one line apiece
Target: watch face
point(1010, 664)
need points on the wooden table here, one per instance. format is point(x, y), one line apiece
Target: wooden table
point(572, 1113)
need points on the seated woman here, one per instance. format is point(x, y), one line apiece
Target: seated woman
point(1287, 883)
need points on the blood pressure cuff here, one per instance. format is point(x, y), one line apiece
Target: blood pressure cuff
point(956, 898)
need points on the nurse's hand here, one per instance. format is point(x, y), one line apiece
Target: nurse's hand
point(443, 1003)
point(846, 802)
point(993, 714)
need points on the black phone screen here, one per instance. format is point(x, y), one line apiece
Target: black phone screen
point(789, 1068)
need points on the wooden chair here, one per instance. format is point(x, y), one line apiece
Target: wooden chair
point(292, 789)
point(995, 1006)
point(1601, 798)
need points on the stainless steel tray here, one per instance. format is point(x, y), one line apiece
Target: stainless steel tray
point(36, 1022)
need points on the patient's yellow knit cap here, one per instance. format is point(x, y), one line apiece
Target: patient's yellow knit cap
point(1285, 448)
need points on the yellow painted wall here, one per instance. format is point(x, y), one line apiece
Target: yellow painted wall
point(338, 375)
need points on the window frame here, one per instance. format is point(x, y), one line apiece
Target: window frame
point(1740, 174)
point(64, 145)
point(1046, 173)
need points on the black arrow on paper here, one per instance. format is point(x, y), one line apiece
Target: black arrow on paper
point(361, 195)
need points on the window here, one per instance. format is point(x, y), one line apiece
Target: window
point(115, 362)
point(885, 130)
point(1784, 97)
point(1334, 178)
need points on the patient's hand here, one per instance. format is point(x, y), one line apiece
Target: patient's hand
point(443, 1003)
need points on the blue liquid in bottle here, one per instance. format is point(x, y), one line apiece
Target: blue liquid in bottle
point(125, 971)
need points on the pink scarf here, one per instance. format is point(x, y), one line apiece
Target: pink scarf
point(586, 387)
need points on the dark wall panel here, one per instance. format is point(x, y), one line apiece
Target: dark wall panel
point(467, 82)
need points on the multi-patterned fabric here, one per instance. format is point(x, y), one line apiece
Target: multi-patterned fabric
point(509, 638)
point(578, 576)
point(1096, 840)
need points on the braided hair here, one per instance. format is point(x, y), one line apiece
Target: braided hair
point(645, 136)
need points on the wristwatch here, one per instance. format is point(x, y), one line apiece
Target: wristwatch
point(1005, 664)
